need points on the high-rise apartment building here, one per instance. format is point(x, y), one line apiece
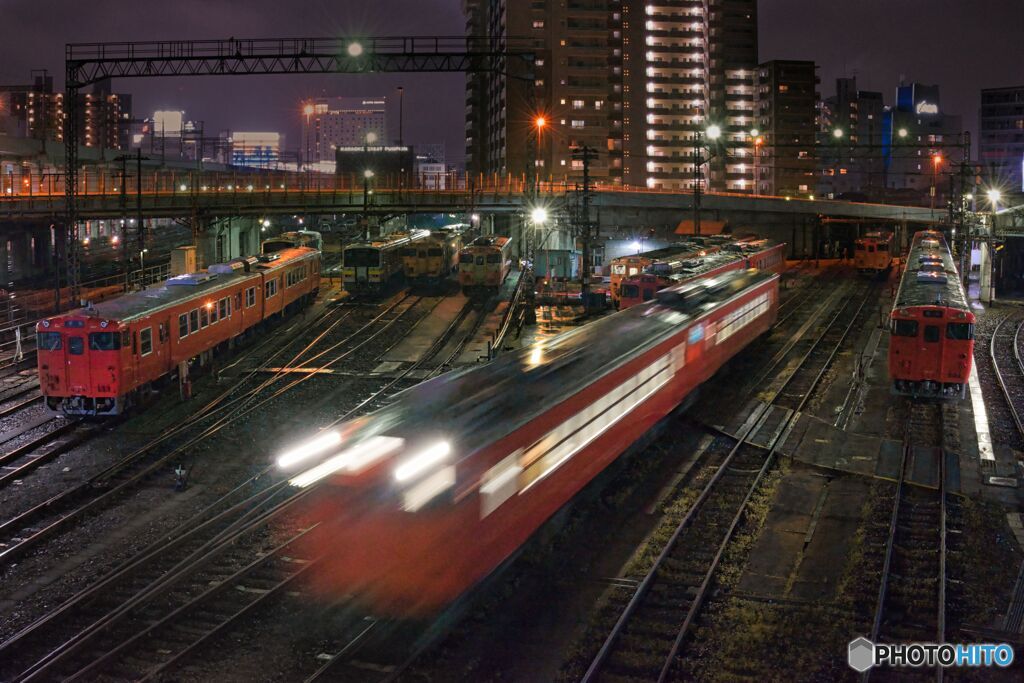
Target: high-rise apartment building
point(328, 123)
point(1001, 143)
point(638, 81)
point(851, 137)
point(256, 149)
point(786, 129)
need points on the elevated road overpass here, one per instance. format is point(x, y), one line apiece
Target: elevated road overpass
point(177, 194)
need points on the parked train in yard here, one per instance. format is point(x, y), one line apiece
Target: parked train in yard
point(484, 264)
point(376, 267)
point(874, 252)
point(761, 254)
point(633, 265)
point(96, 360)
point(433, 259)
point(931, 347)
point(427, 496)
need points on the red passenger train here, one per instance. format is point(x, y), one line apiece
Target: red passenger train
point(761, 254)
point(95, 360)
point(428, 496)
point(874, 252)
point(932, 344)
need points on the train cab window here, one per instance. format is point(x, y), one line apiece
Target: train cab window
point(859, 246)
point(250, 297)
point(213, 312)
point(204, 317)
point(182, 326)
point(904, 328)
point(435, 252)
point(630, 291)
point(146, 341)
point(193, 321)
point(238, 301)
point(494, 258)
point(960, 331)
point(871, 248)
point(648, 294)
point(76, 346)
point(48, 341)
point(104, 341)
point(931, 333)
point(126, 339)
point(409, 251)
point(222, 308)
point(162, 329)
point(465, 258)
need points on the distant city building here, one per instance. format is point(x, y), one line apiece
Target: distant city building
point(333, 122)
point(787, 98)
point(35, 111)
point(169, 135)
point(635, 80)
point(851, 135)
point(387, 164)
point(923, 144)
point(257, 150)
point(431, 152)
point(1001, 143)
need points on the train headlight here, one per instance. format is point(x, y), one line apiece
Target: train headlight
point(321, 443)
point(46, 323)
point(103, 324)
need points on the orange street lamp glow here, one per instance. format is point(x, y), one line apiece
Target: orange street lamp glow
point(937, 159)
point(308, 110)
point(540, 122)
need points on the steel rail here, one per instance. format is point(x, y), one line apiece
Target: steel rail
point(1001, 378)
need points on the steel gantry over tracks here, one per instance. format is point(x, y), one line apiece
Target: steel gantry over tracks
point(89, 63)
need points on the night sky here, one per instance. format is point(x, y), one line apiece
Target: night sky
point(963, 46)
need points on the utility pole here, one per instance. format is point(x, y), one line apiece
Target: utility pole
point(586, 154)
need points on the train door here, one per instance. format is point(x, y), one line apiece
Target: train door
point(76, 361)
point(930, 358)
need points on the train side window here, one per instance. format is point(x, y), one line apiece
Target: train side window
point(960, 331)
point(76, 346)
point(494, 258)
point(104, 341)
point(238, 301)
point(931, 333)
point(49, 341)
point(193, 321)
point(465, 258)
point(250, 297)
point(146, 341)
point(222, 308)
point(904, 328)
point(182, 326)
point(204, 317)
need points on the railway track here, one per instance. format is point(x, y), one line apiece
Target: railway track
point(650, 630)
point(117, 628)
point(1004, 350)
point(46, 519)
point(912, 604)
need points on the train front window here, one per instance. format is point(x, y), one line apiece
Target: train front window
point(435, 252)
point(409, 251)
point(904, 328)
point(630, 291)
point(931, 333)
point(494, 258)
point(76, 346)
point(465, 258)
point(960, 331)
point(362, 258)
point(48, 341)
point(104, 341)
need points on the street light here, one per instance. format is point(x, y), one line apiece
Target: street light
point(994, 196)
point(902, 132)
point(713, 132)
point(355, 49)
point(837, 133)
point(539, 215)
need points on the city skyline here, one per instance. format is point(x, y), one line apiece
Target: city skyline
point(870, 40)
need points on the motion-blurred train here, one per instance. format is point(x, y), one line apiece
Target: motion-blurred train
point(430, 494)
point(874, 252)
point(633, 265)
point(96, 360)
point(484, 264)
point(432, 259)
point(932, 344)
point(761, 254)
point(374, 268)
